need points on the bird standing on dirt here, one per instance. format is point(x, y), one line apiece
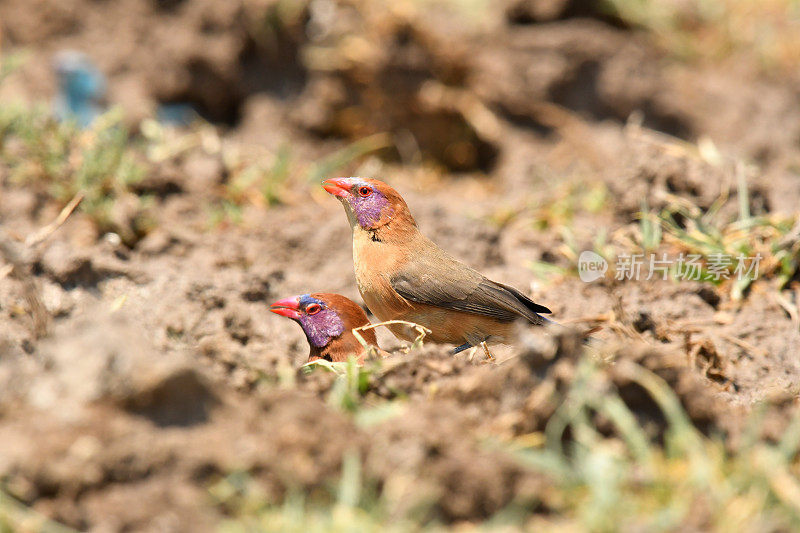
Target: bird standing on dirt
point(403, 275)
point(328, 320)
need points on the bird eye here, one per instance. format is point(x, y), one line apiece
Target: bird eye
point(313, 309)
point(364, 191)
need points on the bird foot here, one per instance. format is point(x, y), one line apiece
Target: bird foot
point(471, 353)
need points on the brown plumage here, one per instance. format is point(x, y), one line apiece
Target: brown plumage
point(327, 320)
point(403, 275)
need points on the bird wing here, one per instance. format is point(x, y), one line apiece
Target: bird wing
point(442, 281)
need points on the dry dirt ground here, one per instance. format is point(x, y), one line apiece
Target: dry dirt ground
point(162, 370)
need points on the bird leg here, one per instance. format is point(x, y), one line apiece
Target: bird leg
point(489, 355)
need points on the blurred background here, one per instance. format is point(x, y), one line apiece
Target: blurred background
point(160, 163)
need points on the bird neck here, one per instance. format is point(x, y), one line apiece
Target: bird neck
point(343, 346)
point(401, 229)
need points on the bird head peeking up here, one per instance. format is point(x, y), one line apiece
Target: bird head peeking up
point(328, 320)
point(371, 205)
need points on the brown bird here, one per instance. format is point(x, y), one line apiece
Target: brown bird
point(403, 275)
point(328, 320)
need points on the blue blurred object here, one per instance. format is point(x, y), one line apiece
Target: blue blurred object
point(81, 87)
point(177, 114)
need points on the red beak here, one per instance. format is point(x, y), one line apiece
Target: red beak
point(339, 187)
point(288, 307)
